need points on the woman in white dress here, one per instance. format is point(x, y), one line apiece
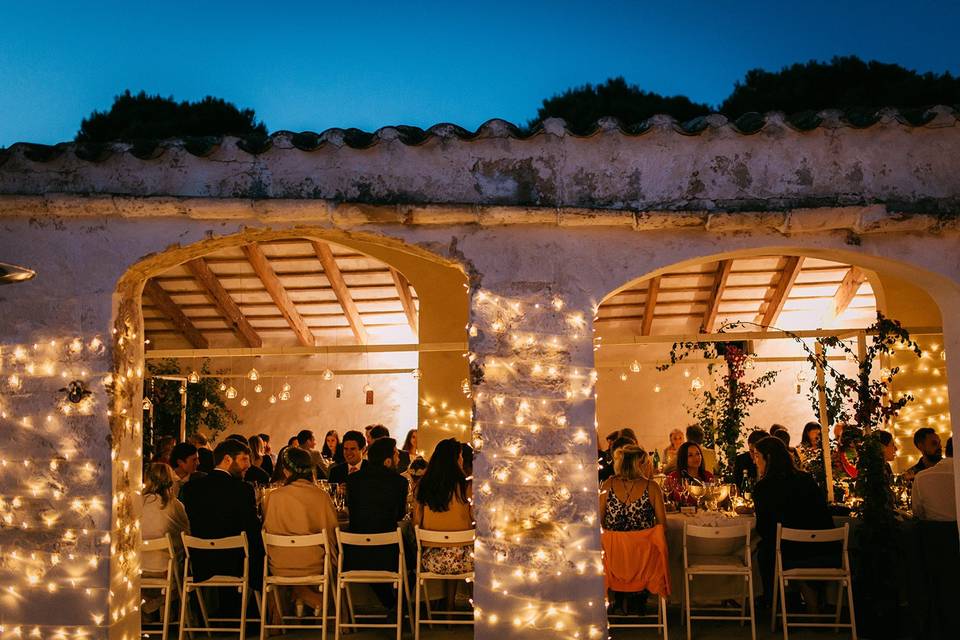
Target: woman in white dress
point(162, 514)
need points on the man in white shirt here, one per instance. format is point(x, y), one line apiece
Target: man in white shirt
point(934, 493)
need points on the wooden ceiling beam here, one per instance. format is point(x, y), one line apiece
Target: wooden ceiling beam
point(261, 266)
point(165, 305)
point(781, 290)
point(713, 305)
point(406, 299)
point(846, 292)
point(653, 288)
point(340, 289)
point(209, 283)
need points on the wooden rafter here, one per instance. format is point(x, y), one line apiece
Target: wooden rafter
point(261, 266)
point(406, 299)
point(713, 305)
point(848, 288)
point(781, 290)
point(165, 305)
point(340, 289)
point(208, 282)
point(653, 289)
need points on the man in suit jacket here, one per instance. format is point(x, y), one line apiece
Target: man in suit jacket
point(377, 502)
point(221, 505)
point(184, 460)
point(353, 447)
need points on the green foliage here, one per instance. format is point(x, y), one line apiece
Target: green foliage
point(581, 107)
point(846, 83)
point(214, 415)
point(139, 117)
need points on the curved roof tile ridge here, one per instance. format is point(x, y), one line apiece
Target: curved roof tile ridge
point(307, 141)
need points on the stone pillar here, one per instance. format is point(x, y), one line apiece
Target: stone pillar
point(538, 563)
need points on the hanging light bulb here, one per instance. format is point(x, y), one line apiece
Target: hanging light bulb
point(231, 392)
point(253, 374)
point(686, 373)
point(635, 366)
point(244, 402)
point(194, 377)
point(465, 386)
point(147, 404)
point(748, 363)
point(285, 387)
point(656, 388)
point(328, 374)
point(205, 403)
point(623, 377)
point(272, 399)
point(257, 388)
point(284, 395)
point(223, 386)
point(416, 373)
point(696, 384)
point(307, 397)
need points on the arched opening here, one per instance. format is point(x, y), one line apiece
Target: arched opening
point(362, 329)
point(812, 293)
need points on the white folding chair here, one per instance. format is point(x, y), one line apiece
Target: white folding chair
point(165, 582)
point(240, 583)
point(820, 574)
point(695, 564)
point(275, 583)
point(396, 578)
point(465, 537)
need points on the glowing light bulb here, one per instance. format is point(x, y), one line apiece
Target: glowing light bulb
point(193, 378)
point(465, 386)
point(257, 388)
point(231, 392)
point(623, 377)
point(223, 386)
point(367, 388)
point(147, 404)
point(253, 374)
point(284, 396)
point(205, 403)
point(244, 402)
point(656, 388)
point(272, 399)
point(686, 373)
point(635, 366)
point(328, 374)
point(285, 387)
point(696, 384)
point(307, 397)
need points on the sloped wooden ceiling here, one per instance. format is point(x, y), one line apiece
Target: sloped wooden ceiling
point(280, 293)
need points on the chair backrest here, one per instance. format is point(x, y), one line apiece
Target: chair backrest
point(313, 540)
point(214, 544)
point(463, 537)
point(368, 540)
point(725, 533)
point(804, 536)
point(164, 544)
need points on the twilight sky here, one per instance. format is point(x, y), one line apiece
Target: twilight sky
point(314, 65)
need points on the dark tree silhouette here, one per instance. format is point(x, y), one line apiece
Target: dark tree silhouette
point(581, 107)
point(145, 117)
point(847, 83)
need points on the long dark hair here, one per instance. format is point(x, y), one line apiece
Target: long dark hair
point(779, 461)
point(682, 461)
point(443, 478)
point(807, 428)
point(408, 442)
point(280, 466)
point(325, 450)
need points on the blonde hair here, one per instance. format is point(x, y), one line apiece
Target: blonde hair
point(158, 480)
point(631, 462)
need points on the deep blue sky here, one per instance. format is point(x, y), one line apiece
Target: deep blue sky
point(314, 65)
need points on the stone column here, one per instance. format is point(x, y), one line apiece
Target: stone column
point(538, 563)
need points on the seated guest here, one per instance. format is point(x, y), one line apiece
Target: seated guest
point(695, 435)
point(300, 508)
point(889, 451)
point(934, 491)
point(221, 505)
point(410, 444)
point(744, 468)
point(927, 443)
point(466, 459)
point(378, 431)
point(258, 455)
point(204, 452)
point(810, 440)
point(278, 476)
point(367, 435)
point(690, 468)
point(353, 447)
point(267, 450)
point(413, 474)
point(164, 449)
point(246, 471)
point(788, 496)
point(377, 502)
point(608, 470)
point(779, 431)
point(332, 449)
point(162, 514)
point(305, 440)
point(292, 442)
point(628, 434)
point(443, 503)
point(630, 501)
point(184, 459)
point(669, 460)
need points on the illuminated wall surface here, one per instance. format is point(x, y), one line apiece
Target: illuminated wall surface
point(926, 380)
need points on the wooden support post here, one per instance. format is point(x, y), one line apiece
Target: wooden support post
point(824, 422)
point(183, 411)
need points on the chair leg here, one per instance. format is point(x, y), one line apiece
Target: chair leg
point(783, 605)
point(753, 621)
point(323, 620)
point(416, 610)
point(839, 611)
point(407, 598)
point(743, 606)
point(663, 609)
point(400, 606)
point(184, 605)
point(337, 602)
point(263, 613)
point(773, 608)
point(167, 601)
point(244, 594)
point(686, 602)
point(853, 617)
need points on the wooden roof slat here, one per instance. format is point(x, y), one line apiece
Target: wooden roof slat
point(406, 299)
point(719, 283)
point(261, 265)
point(219, 296)
point(782, 289)
point(650, 305)
point(341, 290)
point(172, 312)
point(847, 291)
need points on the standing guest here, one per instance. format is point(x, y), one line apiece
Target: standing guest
point(378, 431)
point(695, 435)
point(258, 455)
point(466, 459)
point(354, 445)
point(164, 449)
point(332, 449)
point(744, 468)
point(410, 444)
point(630, 501)
point(162, 514)
point(443, 503)
point(300, 508)
point(669, 462)
point(780, 432)
point(204, 452)
point(306, 440)
point(934, 491)
point(184, 459)
point(788, 496)
point(927, 443)
point(222, 505)
point(377, 502)
point(690, 468)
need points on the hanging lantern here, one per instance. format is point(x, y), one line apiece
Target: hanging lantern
point(748, 363)
point(147, 404)
point(623, 377)
point(284, 396)
point(244, 402)
point(368, 393)
point(339, 390)
point(205, 403)
point(272, 399)
point(656, 388)
point(307, 397)
point(328, 374)
point(193, 378)
point(696, 384)
point(285, 387)
point(231, 392)
point(257, 388)
point(223, 386)
point(635, 366)
point(416, 373)
point(253, 375)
